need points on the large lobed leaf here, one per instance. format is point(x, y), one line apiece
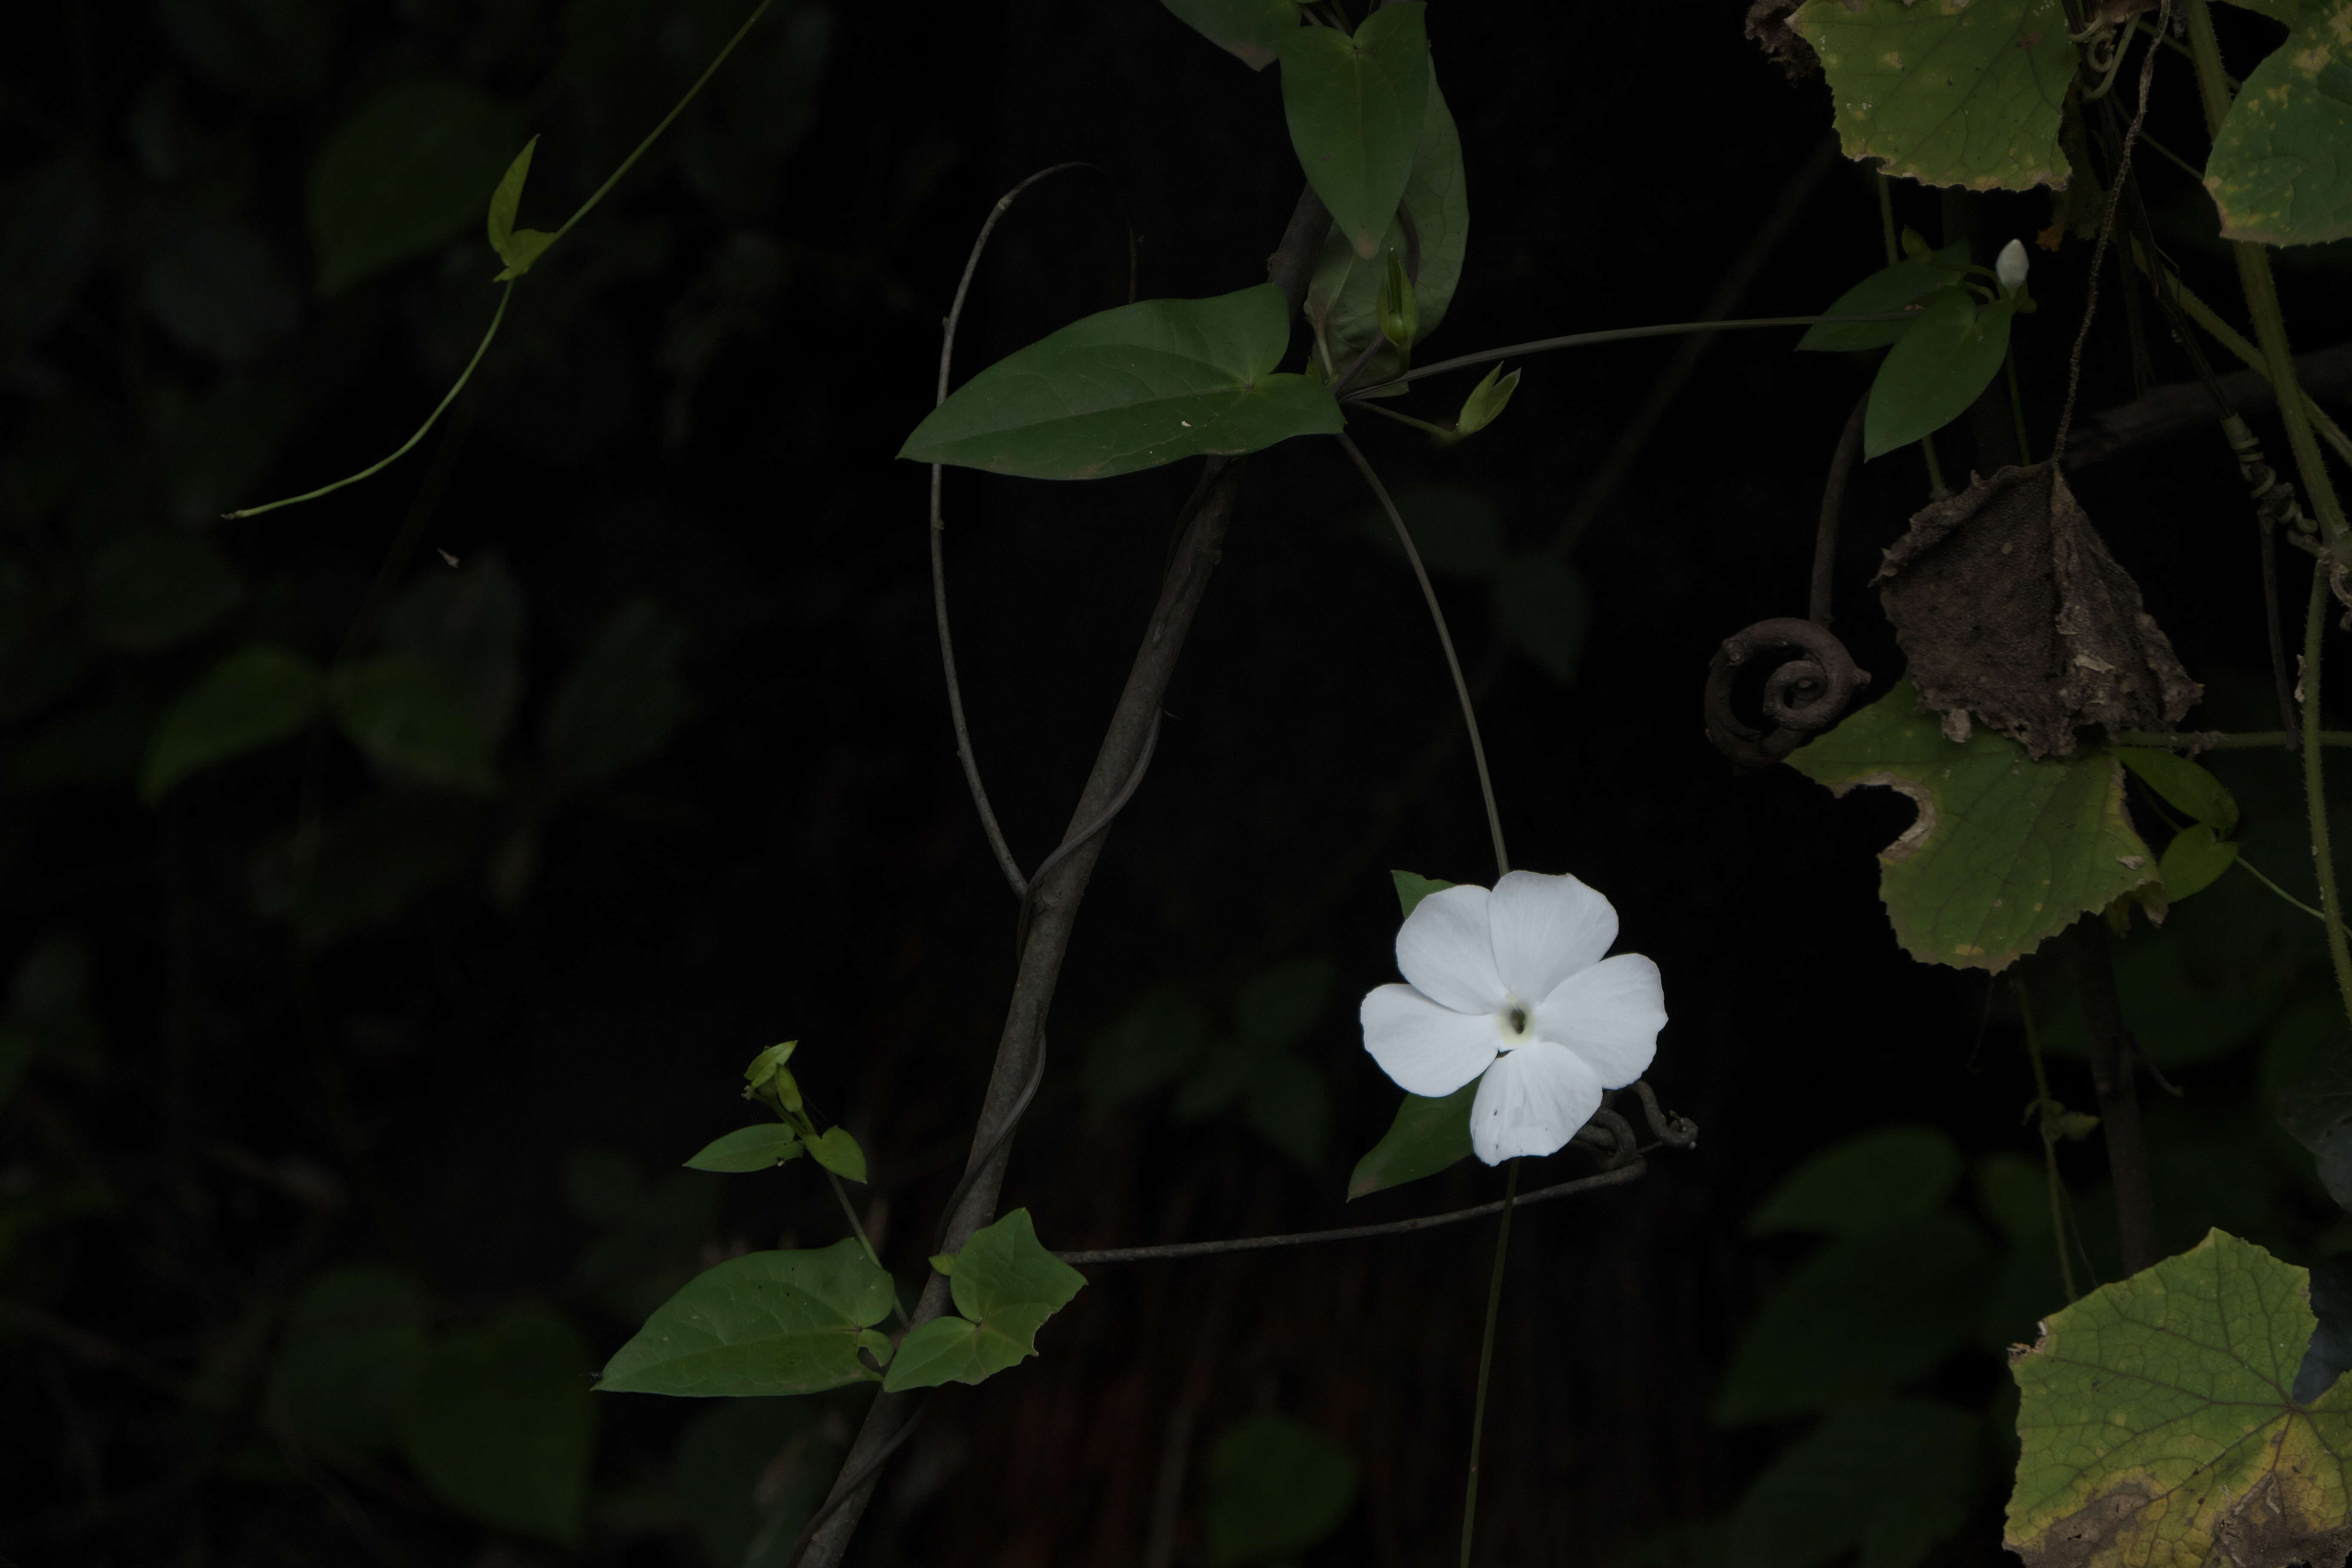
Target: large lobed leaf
point(1006, 1286)
point(1951, 92)
point(2006, 851)
point(2278, 170)
point(1132, 388)
point(2159, 1428)
point(767, 1322)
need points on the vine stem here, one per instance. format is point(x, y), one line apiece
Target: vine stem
point(1487, 1360)
point(508, 291)
point(1619, 335)
point(496, 316)
point(1171, 1251)
point(2270, 331)
point(2049, 1145)
point(1445, 640)
point(1054, 902)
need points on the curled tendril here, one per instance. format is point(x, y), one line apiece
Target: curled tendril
point(1803, 696)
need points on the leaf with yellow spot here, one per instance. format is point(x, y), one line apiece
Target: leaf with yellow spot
point(2279, 170)
point(1953, 92)
point(2159, 1426)
point(2006, 850)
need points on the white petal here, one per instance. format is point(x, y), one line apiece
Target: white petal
point(1546, 929)
point(1609, 1015)
point(1428, 1050)
point(1531, 1101)
point(1443, 950)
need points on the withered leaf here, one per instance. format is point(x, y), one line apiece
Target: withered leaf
point(2012, 614)
point(1767, 24)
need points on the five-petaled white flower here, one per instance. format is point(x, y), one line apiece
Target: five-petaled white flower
point(1512, 983)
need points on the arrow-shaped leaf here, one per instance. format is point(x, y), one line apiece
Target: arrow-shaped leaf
point(1132, 388)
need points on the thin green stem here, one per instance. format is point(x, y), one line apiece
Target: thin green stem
point(1487, 1360)
point(2256, 873)
point(1445, 640)
point(505, 294)
point(2314, 787)
point(1619, 335)
point(849, 1213)
point(2230, 338)
point(2049, 1144)
point(1887, 218)
point(2221, 741)
point(2017, 409)
point(1438, 430)
point(655, 134)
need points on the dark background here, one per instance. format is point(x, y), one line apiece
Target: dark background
point(475, 1043)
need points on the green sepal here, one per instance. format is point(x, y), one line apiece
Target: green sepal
point(766, 1079)
point(1398, 310)
point(1487, 402)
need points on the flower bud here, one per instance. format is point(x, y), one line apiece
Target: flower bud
point(766, 1079)
point(1487, 402)
point(1399, 311)
point(2010, 267)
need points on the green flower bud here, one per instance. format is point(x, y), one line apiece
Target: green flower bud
point(1399, 311)
point(1487, 402)
point(766, 1079)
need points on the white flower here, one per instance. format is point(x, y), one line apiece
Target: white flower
point(1512, 985)
point(2010, 266)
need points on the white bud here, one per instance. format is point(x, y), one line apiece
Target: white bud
point(2010, 268)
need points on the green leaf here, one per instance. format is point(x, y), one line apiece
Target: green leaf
point(1427, 1136)
point(1343, 298)
point(1146, 1047)
point(1005, 1285)
point(370, 863)
point(1487, 402)
point(943, 1262)
point(1354, 107)
point(1947, 94)
point(252, 697)
point(1544, 612)
point(768, 1078)
point(403, 175)
point(355, 1341)
point(766, 1323)
point(2158, 1430)
point(1888, 289)
point(1890, 1479)
point(1286, 1102)
point(1412, 887)
point(1275, 1488)
point(2194, 861)
point(748, 1473)
point(1133, 388)
point(1863, 1319)
point(749, 1149)
point(1943, 360)
point(623, 700)
point(2185, 786)
point(1852, 1188)
point(150, 590)
point(2006, 851)
point(498, 1422)
point(1250, 29)
point(1281, 1004)
point(411, 724)
point(467, 627)
point(1454, 527)
point(837, 1152)
point(2277, 169)
point(518, 247)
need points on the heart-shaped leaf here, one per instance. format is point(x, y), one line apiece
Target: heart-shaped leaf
point(1132, 388)
point(749, 1149)
point(1249, 29)
point(1354, 107)
point(1427, 1136)
point(1936, 369)
point(1005, 1285)
point(766, 1323)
